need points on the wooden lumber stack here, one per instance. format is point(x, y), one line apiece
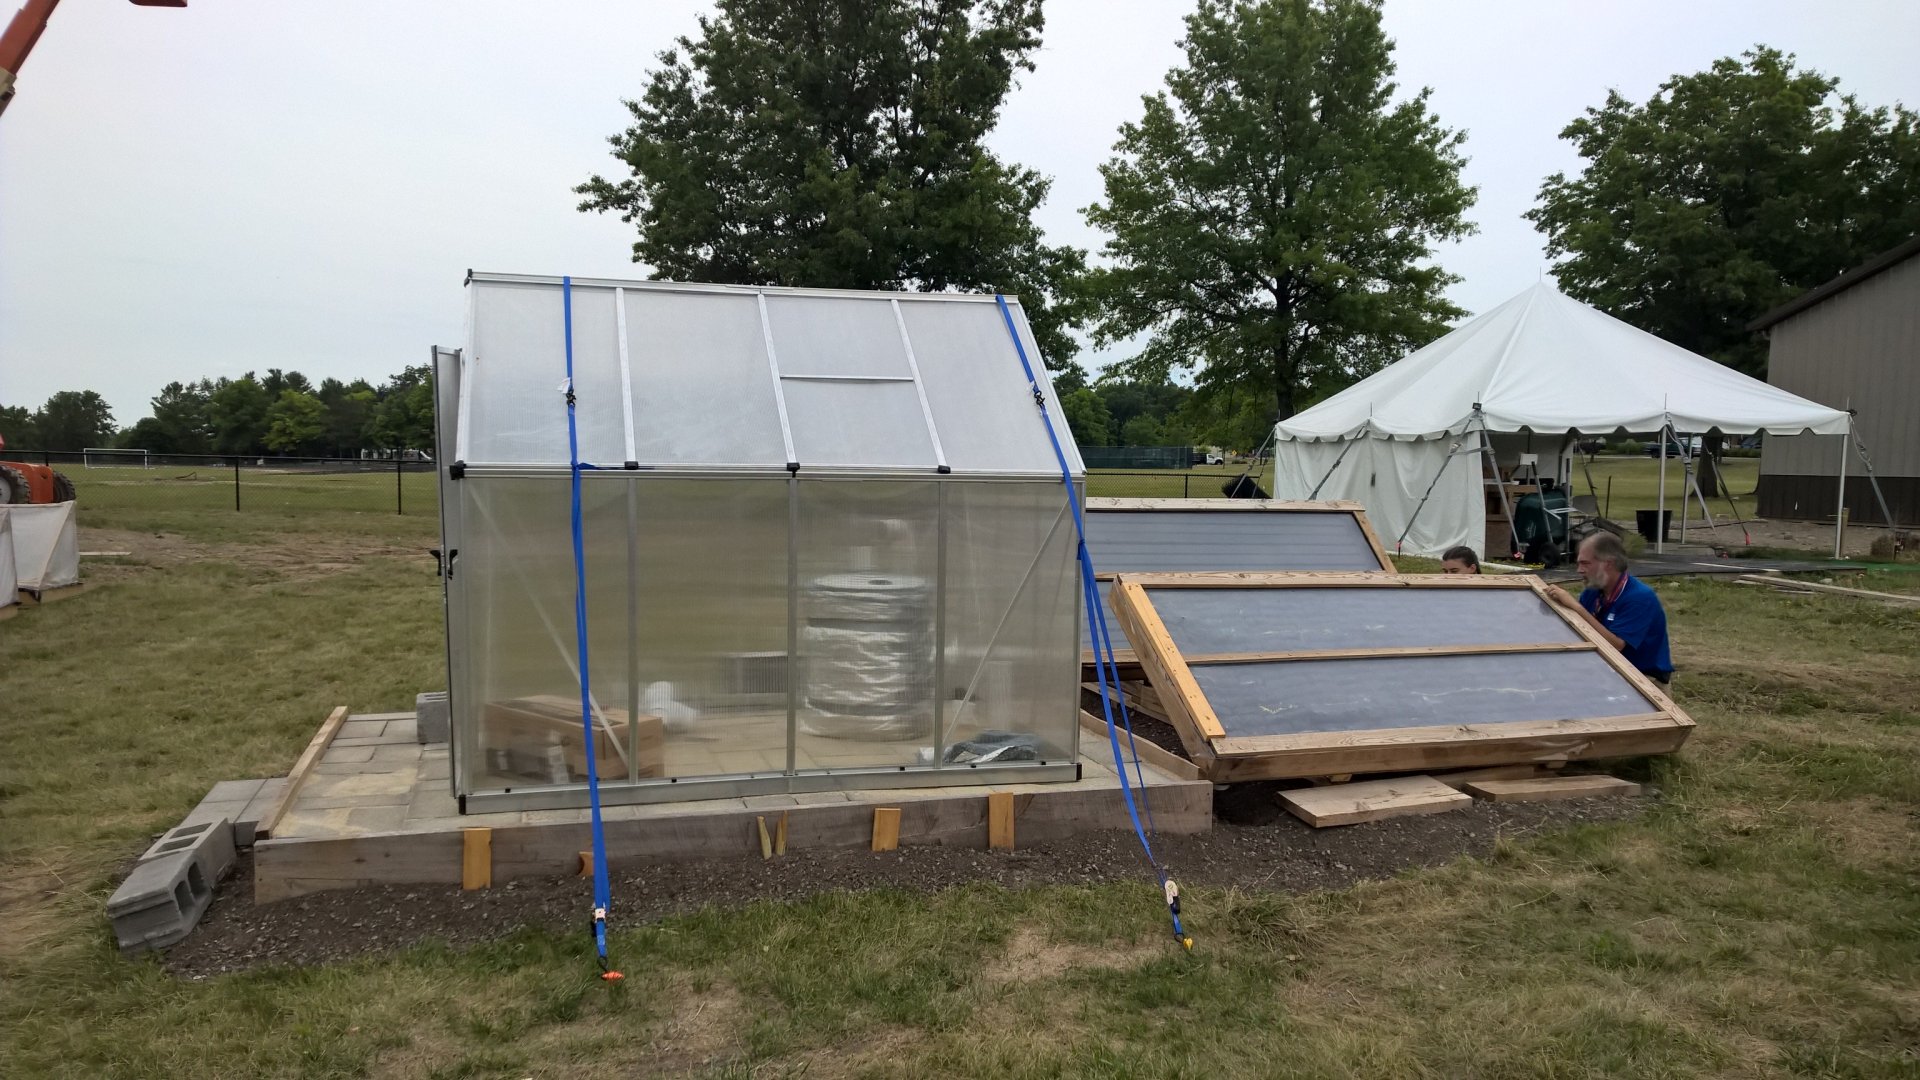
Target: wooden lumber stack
point(539, 736)
point(1798, 585)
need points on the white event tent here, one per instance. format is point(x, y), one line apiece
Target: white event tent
point(1541, 366)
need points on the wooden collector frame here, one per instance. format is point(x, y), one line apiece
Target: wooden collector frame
point(1661, 729)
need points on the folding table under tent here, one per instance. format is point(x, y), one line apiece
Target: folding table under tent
point(826, 538)
point(1528, 376)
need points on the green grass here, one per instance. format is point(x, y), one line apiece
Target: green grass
point(1758, 922)
point(1199, 482)
point(1626, 484)
point(210, 488)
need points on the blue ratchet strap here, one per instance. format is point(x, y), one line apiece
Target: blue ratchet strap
point(1107, 673)
point(602, 894)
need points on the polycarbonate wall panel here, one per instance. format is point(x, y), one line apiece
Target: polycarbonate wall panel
point(1013, 602)
point(986, 417)
point(1295, 696)
point(867, 594)
point(688, 604)
point(523, 692)
point(702, 387)
point(872, 424)
point(517, 410)
point(710, 619)
point(840, 336)
point(1203, 621)
point(712, 607)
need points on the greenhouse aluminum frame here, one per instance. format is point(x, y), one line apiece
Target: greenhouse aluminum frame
point(711, 417)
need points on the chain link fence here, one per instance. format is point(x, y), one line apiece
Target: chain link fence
point(137, 480)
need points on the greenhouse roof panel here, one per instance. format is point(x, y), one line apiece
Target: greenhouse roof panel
point(676, 375)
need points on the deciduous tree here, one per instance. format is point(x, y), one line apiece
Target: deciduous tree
point(1273, 212)
point(842, 143)
point(1726, 193)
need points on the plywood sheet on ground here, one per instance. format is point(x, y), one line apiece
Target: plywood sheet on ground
point(1372, 800)
point(1552, 787)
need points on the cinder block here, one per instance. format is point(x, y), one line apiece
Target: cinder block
point(432, 715)
point(210, 843)
point(160, 903)
point(162, 900)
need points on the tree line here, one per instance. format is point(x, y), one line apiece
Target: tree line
point(281, 413)
point(1271, 216)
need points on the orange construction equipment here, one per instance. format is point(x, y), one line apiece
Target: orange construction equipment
point(24, 482)
point(26, 27)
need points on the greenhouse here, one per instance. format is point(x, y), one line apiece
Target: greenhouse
point(826, 541)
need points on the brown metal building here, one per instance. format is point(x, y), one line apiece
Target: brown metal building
point(1851, 343)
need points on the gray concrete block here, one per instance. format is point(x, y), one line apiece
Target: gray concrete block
point(227, 800)
point(162, 900)
point(228, 791)
point(160, 903)
point(433, 716)
point(209, 842)
point(247, 821)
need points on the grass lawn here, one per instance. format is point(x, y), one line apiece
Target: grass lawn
point(1626, 484)
point(210, 488)
point(1759, 921)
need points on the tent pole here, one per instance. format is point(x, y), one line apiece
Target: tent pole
point(1840, 500)
point(1660, 515)
point(1686, 488)
point(1701, 464)
point(1421, 505)
point(1500, 485)
point(1342, 456)
point(1873, 481)
point(1732, 507)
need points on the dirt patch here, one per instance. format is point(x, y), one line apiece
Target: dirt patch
point(702, 1028)
point(1030, 957)
point(297, 557)
point(1278, 854)
point(1811, 536)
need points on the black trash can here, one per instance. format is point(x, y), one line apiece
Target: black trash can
point(1646, 522)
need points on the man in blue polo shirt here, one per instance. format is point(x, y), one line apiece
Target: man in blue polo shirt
point(1622, 607)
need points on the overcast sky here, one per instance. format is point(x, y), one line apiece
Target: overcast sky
point(303, 184)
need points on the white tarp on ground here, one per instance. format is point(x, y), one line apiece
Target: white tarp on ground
point(46, 545)
point(1542, 363)
point(9, 582)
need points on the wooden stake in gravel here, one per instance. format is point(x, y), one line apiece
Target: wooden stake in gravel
point(476, 858)
point(1000, 820)
point(886, 828)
